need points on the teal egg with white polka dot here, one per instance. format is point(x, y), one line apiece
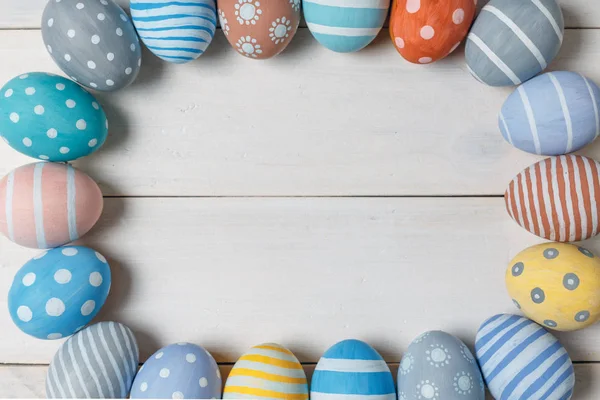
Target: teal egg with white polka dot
point(59, 291)
point(49, 117)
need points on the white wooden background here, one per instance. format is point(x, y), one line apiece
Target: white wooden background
point(303, 200)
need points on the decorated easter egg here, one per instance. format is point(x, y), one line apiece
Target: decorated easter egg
point(49, 117)
point(98, 362)
point(512, 41)
point(59, 291)
point(259, 29)
point(552, 114)
point(178, 371)
point(557, 198)
point(424, 32)
point(347, 25)
point(267, 371)
point(44, 205)
point(438, 365)
point(177, 32)
point(93, 42)
point(556, 285)
point(352, 369)
point(519, 359)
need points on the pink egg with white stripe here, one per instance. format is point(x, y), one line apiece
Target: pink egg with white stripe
point(45, 205)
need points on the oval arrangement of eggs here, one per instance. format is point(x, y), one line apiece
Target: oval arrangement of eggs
point(512, 41)
point(259, 29)
point(93, 42)
point(59, 291)
point(49, 117)
point(424, 32)
point(557, 198)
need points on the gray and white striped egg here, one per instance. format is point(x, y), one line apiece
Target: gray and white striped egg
point(93, 42)
point(99, 361)
point(514, 40)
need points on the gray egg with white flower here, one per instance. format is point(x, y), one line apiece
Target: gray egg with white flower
point(438, 365)
point(93, 42)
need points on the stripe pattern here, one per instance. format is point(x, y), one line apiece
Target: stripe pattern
point(175, 31)
point(504, 49)
point(552, 114)
point(267, 371)
point(345, 27)
point(519, 359)
point(99, 361)
point(557, 198)
point(46, 205)
point(352, 369)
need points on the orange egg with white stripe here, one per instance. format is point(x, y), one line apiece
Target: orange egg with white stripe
point(267, 371)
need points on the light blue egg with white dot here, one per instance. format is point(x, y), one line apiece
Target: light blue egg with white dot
point(59, 291)
point(49, 117)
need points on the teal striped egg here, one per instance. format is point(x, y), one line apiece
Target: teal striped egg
point(345, 25)
point(514, 40)
point(175, 31)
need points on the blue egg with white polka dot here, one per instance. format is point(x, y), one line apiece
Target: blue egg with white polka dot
point(49, 117)
point(178, 371)
point(59, 291)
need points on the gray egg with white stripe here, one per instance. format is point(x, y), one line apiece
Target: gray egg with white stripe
point(512, 41)
point(93, 42)
point(99, 361)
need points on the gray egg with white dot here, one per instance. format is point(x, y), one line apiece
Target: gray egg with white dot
point(93, 42)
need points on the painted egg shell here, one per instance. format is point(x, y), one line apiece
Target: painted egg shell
point(93, 42)
point(512, 41)
point(267, 371)
point(519, 359)
point(46, 205)
point(424, 32)
point(438, 365)
point(59, 291)
point(259, 29)
point(97, 362)
point(352, 369)
point(557, 198)
point(178, 371)
point(347, 25)
point(556, 285)
point(177, 32)
point(552, 114)
point(49, 117)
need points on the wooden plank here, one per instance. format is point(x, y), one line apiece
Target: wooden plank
point(323, 124)
point(306, 272)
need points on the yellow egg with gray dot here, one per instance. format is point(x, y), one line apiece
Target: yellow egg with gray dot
point(557, 285)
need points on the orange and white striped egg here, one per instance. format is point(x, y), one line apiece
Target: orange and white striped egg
point(557, 198)
point(44, 205)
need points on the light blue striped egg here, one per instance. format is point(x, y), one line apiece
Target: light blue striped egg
point(514, 40)
point(59, 291)
point(552, 114)
point(345, 26)
point(352, 369)
point(519, 359)
point(175, 31)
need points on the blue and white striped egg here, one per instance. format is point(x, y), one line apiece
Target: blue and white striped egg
point(178, 371)
point(177, 32)
point(514, 40)
point(49, 117)
point(347, 25)
point(59, 291)
point(519, 359)
point(552, 114)
point(352, 369)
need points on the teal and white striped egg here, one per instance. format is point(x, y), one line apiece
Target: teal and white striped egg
point(51, 118)
point(514, 40)
point(177, 32)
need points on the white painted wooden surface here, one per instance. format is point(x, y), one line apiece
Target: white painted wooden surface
point(231, 219)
